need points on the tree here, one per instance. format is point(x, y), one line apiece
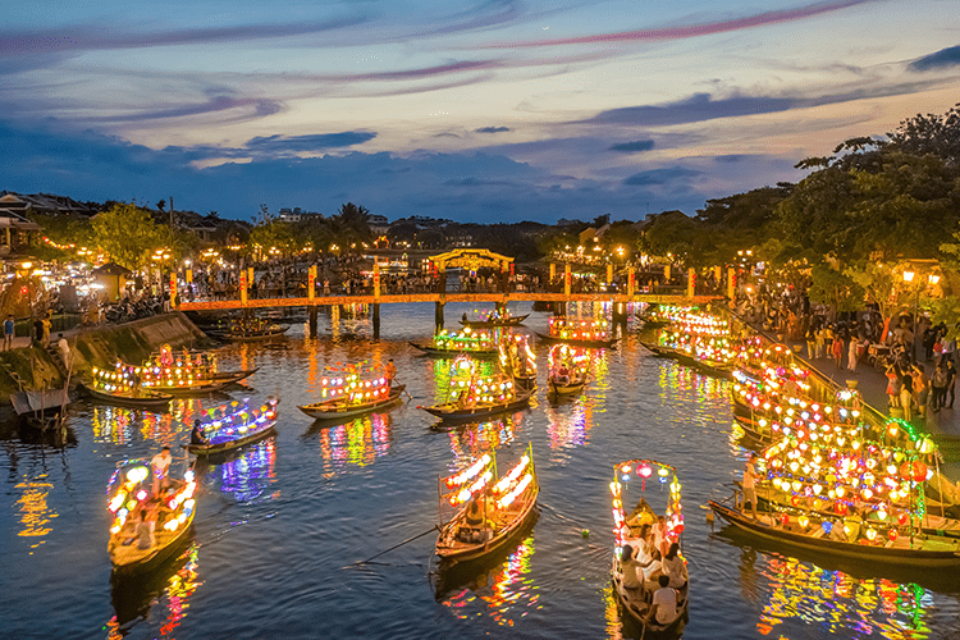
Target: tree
point(834, 288)
point(881, 282)
point(129, 235)
point(272, 235)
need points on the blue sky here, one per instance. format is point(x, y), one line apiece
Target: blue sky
point(477, 111)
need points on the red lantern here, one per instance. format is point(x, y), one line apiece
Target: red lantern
point(915, 470)
point(645, 471)
point(893, 534)
point(784, 519)
point(902, 518)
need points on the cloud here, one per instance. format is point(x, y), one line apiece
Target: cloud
point(662, 176)
point(696, 30)
point(633, 147)
point(288, 145)
point(949, 57)
point(252, 107)
point(491, 130)
point(101, 37)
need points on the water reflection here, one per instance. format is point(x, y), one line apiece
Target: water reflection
point(358, 442)
point(469, 441)
point(569, 425)
point(169, 587)
point(34, 513)
point(247, 475)
point(122, 426)
point(839, 603)
point(504, 591)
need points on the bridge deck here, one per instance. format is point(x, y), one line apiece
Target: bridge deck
point(322, 301)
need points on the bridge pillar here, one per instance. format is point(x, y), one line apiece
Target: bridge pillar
point(313, 321)
point(376, 321)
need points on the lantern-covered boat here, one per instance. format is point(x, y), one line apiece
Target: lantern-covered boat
point(475, 396)
point(151, 518)
point(495, 318)
point(518, 360)
point(569, 370)
point(647, 547)
point(353, 390)
point(187, 373)
point(490, 510)
point(233, 425)
point(122, 388)
point(592, 334)
point(849, 497)
point(476, 343)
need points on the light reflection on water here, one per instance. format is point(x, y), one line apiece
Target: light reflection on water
point(284, 567)
point(35, 514)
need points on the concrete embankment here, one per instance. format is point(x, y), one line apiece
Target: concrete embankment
point(96, 347)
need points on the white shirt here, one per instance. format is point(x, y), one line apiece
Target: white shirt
point(666, 600)
point(675, 570)
point(160, 464)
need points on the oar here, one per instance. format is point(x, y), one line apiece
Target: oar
point(396, 546)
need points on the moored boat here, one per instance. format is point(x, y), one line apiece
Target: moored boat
point(128, 397)
point(353, 390)
point(229, 427)
point(648, 557)
point(150, 522)
point(490, 510)
point(518, 360)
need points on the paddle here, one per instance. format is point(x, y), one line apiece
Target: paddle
point(396, 546)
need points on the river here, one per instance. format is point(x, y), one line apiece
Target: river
point(278, 526)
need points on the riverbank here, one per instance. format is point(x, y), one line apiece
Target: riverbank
point(39, 368)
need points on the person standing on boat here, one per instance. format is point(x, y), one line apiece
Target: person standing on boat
point(390, 372)
point(160, 464)
point(750, 487)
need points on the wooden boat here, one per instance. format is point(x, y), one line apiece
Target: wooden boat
point(493, 509)
point(627, 533)
point(715, 369)
point(587, 344)
point(227, 435)
point(925, 551)
point(132, 482)
point(525, 383)
point(139, 399)
point(658, 350)
point(518, 360)
point(514, 321)
point(337, 408)
point(565, 388)
point(453, 412)
point(262, 335)
point(446, 353)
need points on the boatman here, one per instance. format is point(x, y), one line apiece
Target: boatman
point(390, 372)
point(750, 487)
point(160, 464)
point(196, 435)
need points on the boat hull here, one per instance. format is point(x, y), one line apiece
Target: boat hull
point(887, 555)
point(448, 353)
point(171, 544)
point(587, 344)
point(450, 413)
point(562, 389)
point(150, 399)
point(327, 410)
point(221, 447)
point(489, 324)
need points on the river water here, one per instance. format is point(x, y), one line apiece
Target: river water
point(278, 525)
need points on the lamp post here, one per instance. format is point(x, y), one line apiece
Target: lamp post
point(908, 277)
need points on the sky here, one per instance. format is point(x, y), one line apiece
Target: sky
point(477, 111)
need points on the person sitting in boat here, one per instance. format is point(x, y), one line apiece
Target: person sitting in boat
point(563, 374)
point(674, 567)
point(135, 384)
point(144, 532)
point(464, 318)
point(197, 435)
point(390, 372)
point(652, 569)
point(475, 523)
point(631, 569)
point(663, 609)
